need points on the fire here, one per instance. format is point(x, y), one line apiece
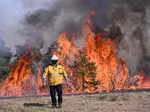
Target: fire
point(143, 80)
point(20, 80)
point(111, 72)
point(94, 67)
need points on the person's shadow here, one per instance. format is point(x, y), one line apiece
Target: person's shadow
point(35, 105)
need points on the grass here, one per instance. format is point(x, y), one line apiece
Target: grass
point(112, 102)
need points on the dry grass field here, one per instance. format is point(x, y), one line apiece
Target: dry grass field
point(111, 102)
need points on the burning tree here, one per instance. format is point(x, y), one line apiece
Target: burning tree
point(110, 72)
point(86, 71)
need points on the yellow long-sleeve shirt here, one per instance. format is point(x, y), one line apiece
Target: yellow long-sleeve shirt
point(55, 74)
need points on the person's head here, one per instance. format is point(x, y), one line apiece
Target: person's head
point(54, 59)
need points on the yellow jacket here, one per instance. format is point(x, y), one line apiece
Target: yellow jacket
point(55, 74)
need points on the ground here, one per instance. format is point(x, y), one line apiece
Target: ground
point(111, 102)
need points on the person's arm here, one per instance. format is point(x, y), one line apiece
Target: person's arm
point(45, 75)
point(65, 75)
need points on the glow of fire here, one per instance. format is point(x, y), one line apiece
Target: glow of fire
point(111, 72)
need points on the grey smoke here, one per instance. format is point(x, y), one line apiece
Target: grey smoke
point(4, 51)
point(46, 20)
point(43, 21)
point(134, 45)
point(12, 15)
point(65, 16)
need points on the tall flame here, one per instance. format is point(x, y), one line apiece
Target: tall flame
point(111, 72)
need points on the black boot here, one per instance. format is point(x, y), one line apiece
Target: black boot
point(59, 105)
point(53, 106)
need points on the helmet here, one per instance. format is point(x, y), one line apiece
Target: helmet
point(54, 57)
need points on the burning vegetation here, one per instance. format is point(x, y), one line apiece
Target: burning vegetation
point(92, 67)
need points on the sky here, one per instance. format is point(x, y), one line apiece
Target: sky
point(13, 11)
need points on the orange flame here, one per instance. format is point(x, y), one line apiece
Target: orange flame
point(21, 81)
point(112, 73)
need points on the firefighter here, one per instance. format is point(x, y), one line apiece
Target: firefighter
point(55, 74)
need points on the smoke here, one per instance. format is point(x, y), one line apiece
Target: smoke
point(13, 31)
point(70, 15)
point(44, 20)
point(65, 16)
point(134, 45)
point(4, 51)
point(39, 23)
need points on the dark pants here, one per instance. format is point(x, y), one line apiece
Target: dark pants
point(53, 90)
